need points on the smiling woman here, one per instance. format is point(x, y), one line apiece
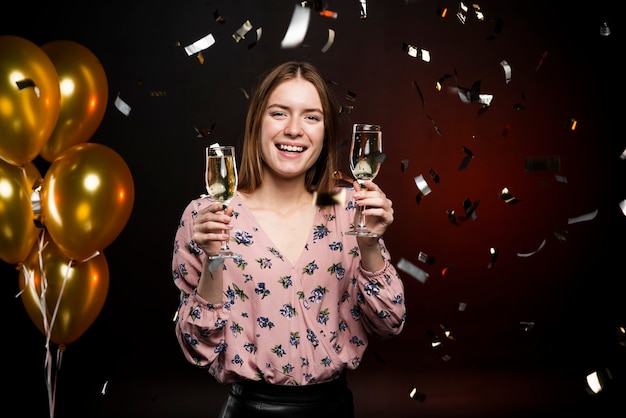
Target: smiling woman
point(285, 321)
point(517, 339)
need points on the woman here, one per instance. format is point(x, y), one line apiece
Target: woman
point(286, 320)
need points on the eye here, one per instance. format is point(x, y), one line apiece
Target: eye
point(314, 118)
point(277, 114)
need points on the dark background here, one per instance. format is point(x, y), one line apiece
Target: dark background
point(570, 289)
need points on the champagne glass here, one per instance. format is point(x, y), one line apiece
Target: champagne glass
point(221, 183)
point(366, 156)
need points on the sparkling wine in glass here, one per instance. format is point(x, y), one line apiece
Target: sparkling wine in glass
point(221, 183)
point(366, 156)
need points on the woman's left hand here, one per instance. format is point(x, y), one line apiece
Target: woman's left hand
point(377, 208)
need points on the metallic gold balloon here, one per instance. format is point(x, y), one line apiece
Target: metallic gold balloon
point(84, 95)
point(80, 300)
point(18, 232)
point(87, 196)
point(30, 99)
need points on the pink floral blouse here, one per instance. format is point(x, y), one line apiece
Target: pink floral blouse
point(286, 324)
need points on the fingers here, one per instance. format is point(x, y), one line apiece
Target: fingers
point(377, 207)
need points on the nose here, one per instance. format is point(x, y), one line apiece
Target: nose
point(293, 128)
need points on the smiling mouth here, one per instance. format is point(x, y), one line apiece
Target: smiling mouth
point(290, 148)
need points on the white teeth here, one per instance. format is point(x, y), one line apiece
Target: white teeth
point(290, 148)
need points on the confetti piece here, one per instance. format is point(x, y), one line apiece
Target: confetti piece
point(218, 18)
point(425, 258)
point(469, 155)
point(437, 130)
point(528, 325)
point(451, 217)
point(259, 32)
point(462, 306)
point(470, 209)
point(604, 29)
point(404, 165)
point(416, 394)
point(583, 218)
point(442, 79)
point(493, 251)
point(560, 179)
point(622, 206)
point(435, 341)
point(477, 12)
point(461, 14)
point(200, 45)
point(363, 9)
point(433, 175)
point(561, 236)
point(507, 71)
point(419, 91)
point(122, 106)
point(216, 263)
point(338, 175)
point(104, 388)
point(329, 14)
point(204, 132)
point(573, 123)
point(543, 243)
point(421, 184)
point(416, 52)
point(623, 155)
point(446, 332)
point(297, 27)
point(412, 270)
point(242, 31)
point(329, 199)
point(25, 83)
point(507, 197)
point(548, 163)
point(330, 41)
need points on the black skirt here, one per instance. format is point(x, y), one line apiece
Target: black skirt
point(248, 399)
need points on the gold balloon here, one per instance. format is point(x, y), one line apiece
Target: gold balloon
point(30, 99)
point(18, 232)
point(84, 95)
point(80, 300)
point(87, 196)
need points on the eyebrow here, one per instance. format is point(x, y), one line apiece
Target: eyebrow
point(310, 110)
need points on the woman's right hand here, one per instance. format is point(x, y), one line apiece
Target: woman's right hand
point(210, 226)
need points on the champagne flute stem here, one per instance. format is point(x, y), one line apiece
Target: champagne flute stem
point(361, 224)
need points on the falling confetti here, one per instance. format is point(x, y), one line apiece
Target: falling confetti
point(122, 106)
point(421, 184)
point(297, 27)
point(200, 45)
point(507, 197)
point(330, 199)
point(412, 270)
point(242, 31)
point(469, 155)
point(331, 40)
point(583, 218)
point(493, 252)
point(507, 71)
point(543, 243)
point(548, 163)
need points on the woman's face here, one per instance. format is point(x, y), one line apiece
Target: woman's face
point(292, 130)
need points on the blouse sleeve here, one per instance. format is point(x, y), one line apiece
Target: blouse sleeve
point(199, 325)
point(382, 298)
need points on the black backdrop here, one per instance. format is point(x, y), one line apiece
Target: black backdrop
point(569, 289)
